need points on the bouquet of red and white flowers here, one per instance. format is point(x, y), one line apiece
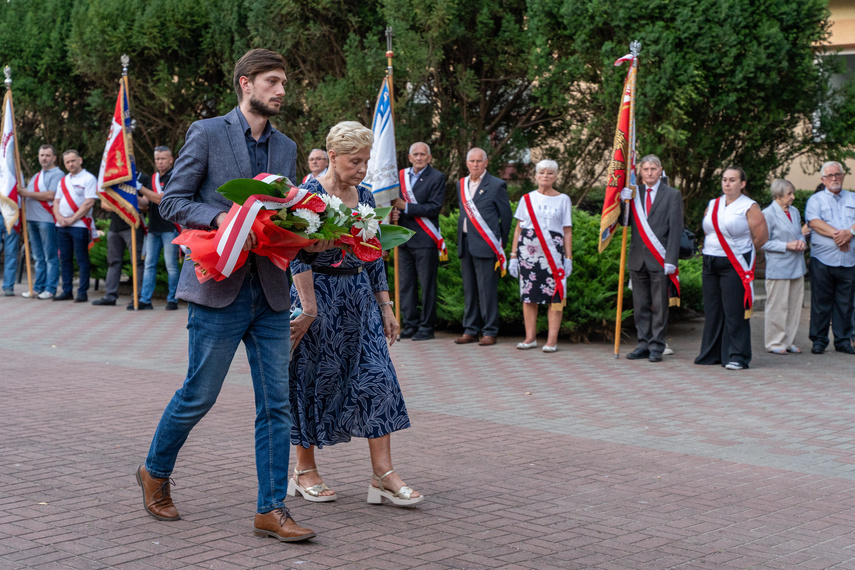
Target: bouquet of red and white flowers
point(286, 219)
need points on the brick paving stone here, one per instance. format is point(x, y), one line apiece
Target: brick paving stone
point(605, 464)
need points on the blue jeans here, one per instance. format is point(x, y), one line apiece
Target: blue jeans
point(214, 337)
point(10, 251)
point(154, 242)
point(45, 257)
point(74, 241)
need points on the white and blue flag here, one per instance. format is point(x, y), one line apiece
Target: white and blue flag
point(382, 176)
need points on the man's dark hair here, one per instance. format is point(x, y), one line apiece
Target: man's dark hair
point(163, 149)
point(253, 62)
point(48, 147)
point(71, 151)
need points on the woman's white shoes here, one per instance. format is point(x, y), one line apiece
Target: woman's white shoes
point(547, 348)
point(526, 345)
point(312, 493)
point(403, 497)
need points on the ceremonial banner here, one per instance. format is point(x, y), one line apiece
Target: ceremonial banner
point(622, 162)
point(118, 174)
point(8, 171)
point(382, 176)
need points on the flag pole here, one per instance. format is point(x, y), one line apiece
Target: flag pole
point(634, 49)
point(389, 55)
point(20, 181)
point(125, 61)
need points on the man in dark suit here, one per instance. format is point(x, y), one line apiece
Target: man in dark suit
point(419, 257)
point(482, 232)
point(250, 306)
point(662, 207)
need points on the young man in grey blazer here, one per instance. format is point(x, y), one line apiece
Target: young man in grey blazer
point(250, 306)
point(663, 208)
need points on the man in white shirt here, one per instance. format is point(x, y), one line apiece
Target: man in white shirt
point(72, 208)
point(318, 163)
point(41, 225)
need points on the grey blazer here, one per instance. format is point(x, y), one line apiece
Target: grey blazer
point(495, 207)
point(213, 154)
point(780, 263)
point(666, 221)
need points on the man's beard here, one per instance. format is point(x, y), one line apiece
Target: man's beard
point(261, 109)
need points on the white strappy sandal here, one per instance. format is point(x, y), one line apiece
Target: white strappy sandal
point(312, 493)
point(403, 497)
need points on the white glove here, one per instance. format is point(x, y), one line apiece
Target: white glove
point(514, 267)
point(626, 194)
point(137, 183)
point(670, 269)
point(568, 267)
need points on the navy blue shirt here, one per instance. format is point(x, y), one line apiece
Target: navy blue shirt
point(257, 148)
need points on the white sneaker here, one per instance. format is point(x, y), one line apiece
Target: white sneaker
point(27, 295)
point(45, 295)
point(734, 366)
point(668, 351)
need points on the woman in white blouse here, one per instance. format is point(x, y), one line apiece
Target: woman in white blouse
point(734, 229)
point(541, 254)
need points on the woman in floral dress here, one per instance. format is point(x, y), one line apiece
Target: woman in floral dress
point(343, 383)
point(535, 265)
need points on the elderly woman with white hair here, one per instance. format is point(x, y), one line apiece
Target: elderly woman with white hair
point(785, 269)
point(541, 254)
point(343, 383)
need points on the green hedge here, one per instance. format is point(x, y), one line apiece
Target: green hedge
point(592, 287)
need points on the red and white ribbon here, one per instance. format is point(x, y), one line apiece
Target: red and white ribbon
point(482, 227)
point(555, 260)
point(37, 180)
point(619, 61)
point(157, 185)
point(241, 218)
point(650, 240)
point(744, 269)
point(425, 223)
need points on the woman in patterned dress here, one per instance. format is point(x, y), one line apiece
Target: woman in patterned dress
point(343, 383)
point(530, 262)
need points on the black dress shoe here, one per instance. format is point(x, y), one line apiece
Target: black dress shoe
point(142, 306)
point(423, 335)
point(64, 297)
point(639, 353)
point(104, 301)
point(817, 349)
point(409, 332)
point(655, 356)
point(847, 348)
point(84, 299)
point(171, 306)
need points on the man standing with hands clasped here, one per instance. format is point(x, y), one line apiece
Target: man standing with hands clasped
point(656, 220)
point(252, 305)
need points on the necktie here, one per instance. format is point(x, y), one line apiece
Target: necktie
point(649, 201)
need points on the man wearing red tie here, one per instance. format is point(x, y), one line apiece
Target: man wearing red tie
point(657, 224)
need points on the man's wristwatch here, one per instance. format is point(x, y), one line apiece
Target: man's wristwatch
point(852, 231)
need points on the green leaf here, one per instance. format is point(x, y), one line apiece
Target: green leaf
point(239, 190)
point(392, 236)
point(381, 213)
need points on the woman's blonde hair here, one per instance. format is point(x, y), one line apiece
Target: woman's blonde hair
point(349, 137)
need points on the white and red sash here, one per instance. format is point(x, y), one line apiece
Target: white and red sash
point(36, 188)
point(157, 188)
point(425, 223)
point(653, 244)
point(90, 225)
point(482, 227)
point(744, 269)
point(231, 242)
point(307, 177)
point(555, 259)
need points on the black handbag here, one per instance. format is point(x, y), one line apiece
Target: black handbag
point(688, 244)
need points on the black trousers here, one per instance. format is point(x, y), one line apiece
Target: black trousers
point(117, 243)
point(650, 307)
point(480, 293)
point(417, 266)
point(727, 333)
point(830, 302)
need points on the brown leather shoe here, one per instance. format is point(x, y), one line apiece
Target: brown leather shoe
point(157, 496)
point(487, 341)
point(465, 339)
point(279, 524)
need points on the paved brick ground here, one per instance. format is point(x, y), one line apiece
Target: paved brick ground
point(529, 460)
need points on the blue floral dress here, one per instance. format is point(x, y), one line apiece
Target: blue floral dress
point(342, 380)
